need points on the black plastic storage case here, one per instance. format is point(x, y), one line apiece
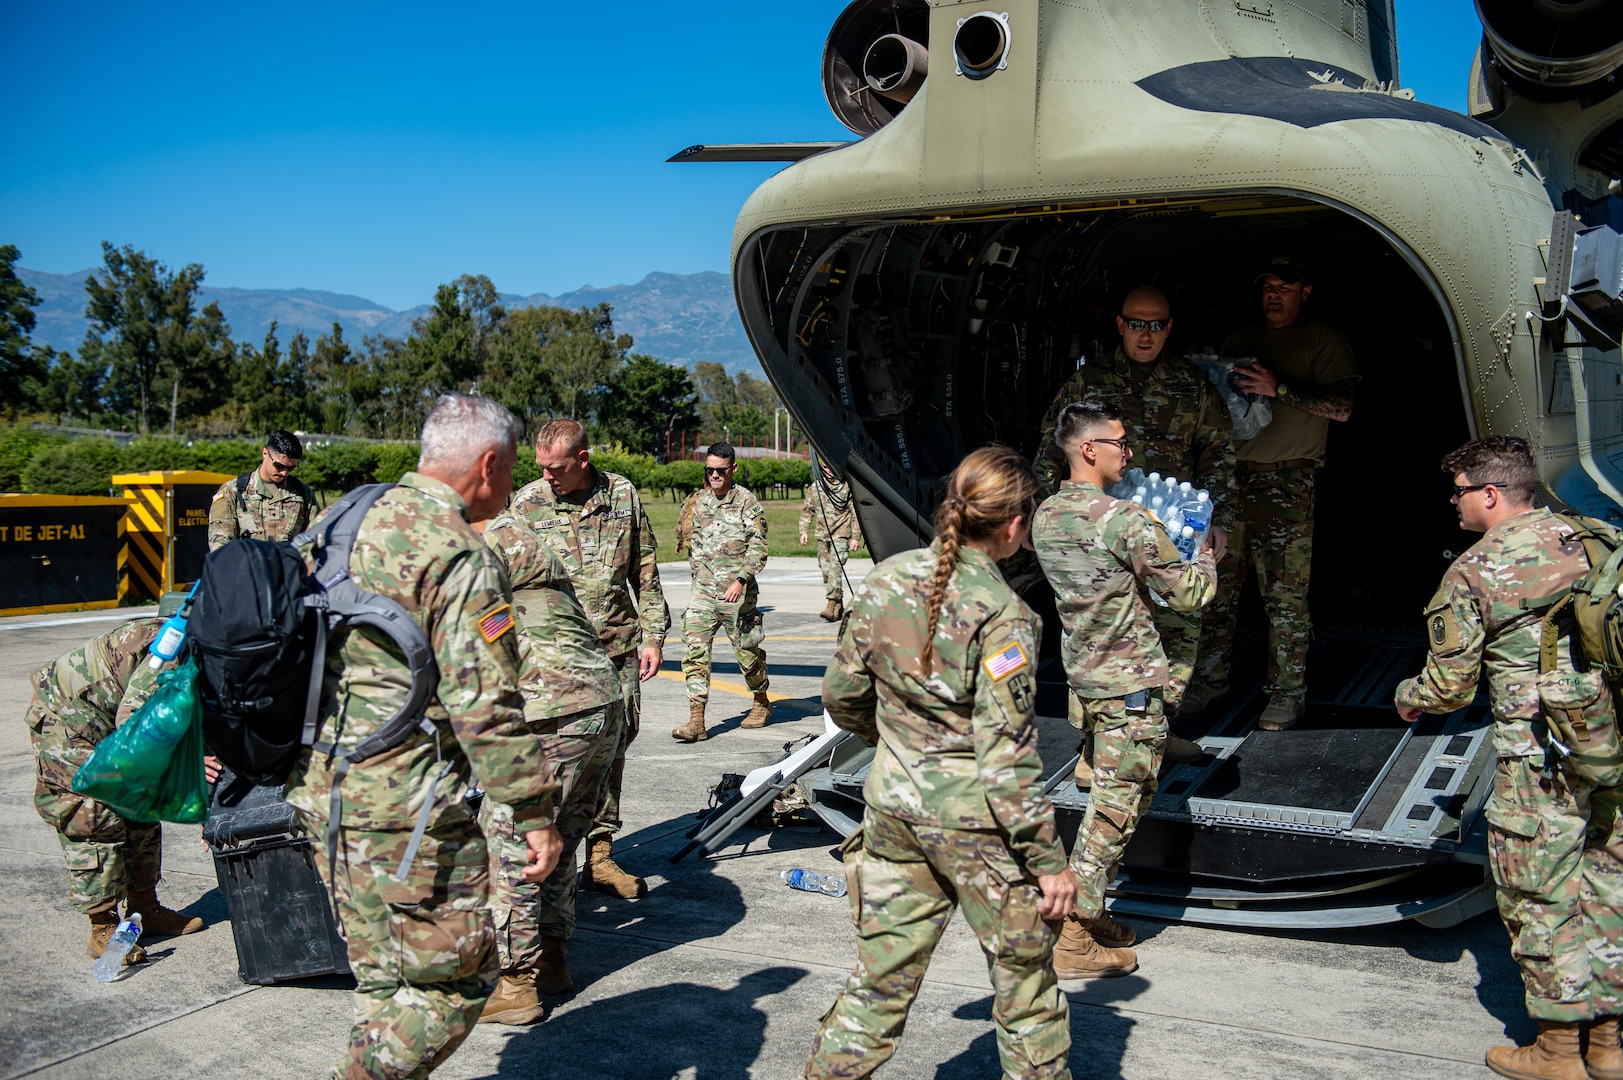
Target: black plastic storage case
point(281, 919)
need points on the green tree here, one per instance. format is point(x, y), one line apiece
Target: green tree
point(555, 360)
point(332, 379)
point(647, 398)
point(145, 328)
point(71, 389)
point(20, 366)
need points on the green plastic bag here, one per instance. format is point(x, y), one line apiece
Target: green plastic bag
point(151, 768)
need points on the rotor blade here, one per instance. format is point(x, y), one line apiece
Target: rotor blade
point(788, 151)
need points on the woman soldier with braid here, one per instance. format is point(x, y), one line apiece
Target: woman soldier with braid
point(936, 668)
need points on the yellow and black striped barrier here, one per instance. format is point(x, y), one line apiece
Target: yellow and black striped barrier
point(167, 530)
point(61, 553)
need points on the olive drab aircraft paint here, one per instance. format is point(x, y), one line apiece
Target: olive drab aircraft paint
point(1018, 166)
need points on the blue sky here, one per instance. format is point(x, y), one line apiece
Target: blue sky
point(380, 149)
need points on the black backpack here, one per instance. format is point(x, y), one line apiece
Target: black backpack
point(259, 626)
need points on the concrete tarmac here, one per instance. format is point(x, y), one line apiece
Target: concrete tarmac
point(722, 972)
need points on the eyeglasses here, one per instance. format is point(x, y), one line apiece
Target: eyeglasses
point(1154, 326)
point(1119, 444)
point(712, 471)
point(283, 466)
point(1461, 490)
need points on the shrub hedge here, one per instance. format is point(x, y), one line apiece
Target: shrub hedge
point(49, 463)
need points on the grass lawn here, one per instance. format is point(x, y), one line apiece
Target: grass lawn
point(782, 526)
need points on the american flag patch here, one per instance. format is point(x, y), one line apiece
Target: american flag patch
point(495, 623)
point(1006, 662)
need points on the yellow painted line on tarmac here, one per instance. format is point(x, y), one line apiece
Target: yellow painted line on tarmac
point(730, 687)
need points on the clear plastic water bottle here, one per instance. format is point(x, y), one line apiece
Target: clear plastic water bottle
point(112, 961)
point(1198, 515)
point(1186, 542)
point(172, 636)
point(812, 881)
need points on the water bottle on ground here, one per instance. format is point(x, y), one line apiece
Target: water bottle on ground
point(112, 961)
point(812, 881)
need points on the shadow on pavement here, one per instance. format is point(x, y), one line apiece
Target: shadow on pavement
point(1099, 1033)
point(661, 1031)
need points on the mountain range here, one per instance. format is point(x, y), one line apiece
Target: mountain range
point(680, 318)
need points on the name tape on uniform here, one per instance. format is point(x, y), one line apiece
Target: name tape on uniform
point(1007, 662)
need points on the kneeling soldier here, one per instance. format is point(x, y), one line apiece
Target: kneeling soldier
point(79, 700)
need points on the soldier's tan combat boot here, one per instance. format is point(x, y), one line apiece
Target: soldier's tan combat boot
point(551, 971)
point(1553, 1057)
point(832, 611)
point(159, 921)
point(1282, 712)
point(694, 731)
point(1084, 768)
point(1602, 1055)
point(602, 874)
point(102, 926)
point(1110, 933)
point(760, 712)
point(514, 1002)
point(1079, 956)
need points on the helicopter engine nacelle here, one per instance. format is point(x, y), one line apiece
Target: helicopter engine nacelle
point(1552, 50)
point(876, 59)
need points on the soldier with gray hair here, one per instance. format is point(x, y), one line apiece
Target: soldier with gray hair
point(421, 940)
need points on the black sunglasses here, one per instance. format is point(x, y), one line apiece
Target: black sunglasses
point(1154, 326)
point(1461, 490)
point(710, 470)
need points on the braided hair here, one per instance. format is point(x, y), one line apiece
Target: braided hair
point(989, 488)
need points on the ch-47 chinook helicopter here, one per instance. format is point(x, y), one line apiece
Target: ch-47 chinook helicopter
point(1021, 164)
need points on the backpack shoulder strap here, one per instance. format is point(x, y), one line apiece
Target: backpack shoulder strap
point(242, 486)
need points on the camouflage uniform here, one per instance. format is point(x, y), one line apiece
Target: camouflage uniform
point(830, 516)
point(603, 537)
point(1274, 495)
point(728, 544)
point(1177, 425)
point(1103, 555)
point(1555, 841)
point(77, 704)
point(422, 949)
point(572, 702)
point(956, 815)
point(265, 511)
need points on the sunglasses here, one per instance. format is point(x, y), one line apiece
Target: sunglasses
point(1461, 490)
point(283, 466)
point(1154, 326)
point(1119, 444)
point(712, 471)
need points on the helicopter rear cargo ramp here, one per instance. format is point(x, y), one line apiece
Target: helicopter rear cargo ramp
point(1351, 818)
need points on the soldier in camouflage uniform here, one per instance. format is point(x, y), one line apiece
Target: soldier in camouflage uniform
point(79, 700)
point(572, 701)
point(936, 667)
point(421, 944)
point(1555, 839)
point(594, 522)
point(1103, 555)
point(268, 503)
point(1309, 372)
point(829, 515)
point(1178, 426)
point(728, 550)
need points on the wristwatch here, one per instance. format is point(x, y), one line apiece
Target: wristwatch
point(743, 579)
point(1281, 390)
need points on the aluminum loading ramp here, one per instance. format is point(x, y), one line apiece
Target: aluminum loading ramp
point(1350, 818)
